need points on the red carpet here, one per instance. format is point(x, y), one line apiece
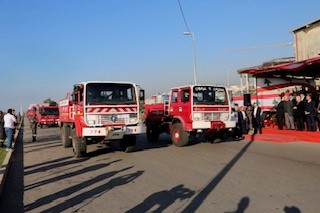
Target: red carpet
point(274, 135)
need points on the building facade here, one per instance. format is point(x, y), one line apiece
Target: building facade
point(307, 40)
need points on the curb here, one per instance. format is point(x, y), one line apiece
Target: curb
point(4, 168)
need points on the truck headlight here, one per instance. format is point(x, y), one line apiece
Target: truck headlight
point(197, 116)
point(133, 118)
point(207, 116)
point(224, 116)
point(92, 119)
point(91, 122)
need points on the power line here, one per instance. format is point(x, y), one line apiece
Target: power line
point(183, 16)
point(259, 47)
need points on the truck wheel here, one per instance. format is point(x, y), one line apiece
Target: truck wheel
point(79, 145)
point(128, 143)
point(152, 134)
point(179, 137)
point(65, 136)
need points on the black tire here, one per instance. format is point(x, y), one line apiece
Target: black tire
point(65, 136)
point(128, 143)
point(152, 134)
point(79, 145)
point(179, 137)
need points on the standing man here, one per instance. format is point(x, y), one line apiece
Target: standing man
point(288, 112)
point(239, 119)
point(244, 118)
point(310, 113)
point(299, 113)
point(280, 113)
point(2, 135)
point(33, 119)
point(257, 118)
point(249, 112)
point(9, 126)
point(304, 101)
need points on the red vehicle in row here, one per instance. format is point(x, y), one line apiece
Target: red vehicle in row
point(189, 110)
point(100, 112)
point(47, 115)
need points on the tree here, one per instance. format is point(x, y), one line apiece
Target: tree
point(50, 102)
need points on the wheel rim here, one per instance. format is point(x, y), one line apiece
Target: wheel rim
point(176, 135)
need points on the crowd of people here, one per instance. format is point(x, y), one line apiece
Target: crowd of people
point(8, 124)
point(297, 112)
point(248, 120)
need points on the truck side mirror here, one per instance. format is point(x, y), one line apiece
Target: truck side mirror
point(74, 97)
point(141, 95)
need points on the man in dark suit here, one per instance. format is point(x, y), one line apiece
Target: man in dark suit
point(299, 113)
point(310, 113)
point(256, 118)
point(244, 120)
point(280, 113)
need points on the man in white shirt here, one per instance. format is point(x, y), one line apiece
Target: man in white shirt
point(9, 126)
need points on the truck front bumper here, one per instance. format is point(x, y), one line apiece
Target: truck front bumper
point(107, 132)
point(113, 133)
point(135, 130)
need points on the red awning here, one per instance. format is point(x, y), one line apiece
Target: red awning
point(306, 68)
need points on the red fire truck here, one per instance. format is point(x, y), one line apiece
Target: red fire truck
point(100, 112)
point(47, 115)
point(189, 110)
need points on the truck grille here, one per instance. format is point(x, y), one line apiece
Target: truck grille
point(100, 119)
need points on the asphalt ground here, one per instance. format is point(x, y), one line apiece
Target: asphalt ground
point(239, 176)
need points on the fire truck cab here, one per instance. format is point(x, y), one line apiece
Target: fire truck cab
point(100, 112)
point(189, 110)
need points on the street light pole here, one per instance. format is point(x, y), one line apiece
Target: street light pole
point(228, 75)
point(195, 71)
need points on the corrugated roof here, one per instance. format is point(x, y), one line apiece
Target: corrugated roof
point(306, 25)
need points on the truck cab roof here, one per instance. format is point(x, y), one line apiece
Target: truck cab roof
point(199, 85)
point(108, 82)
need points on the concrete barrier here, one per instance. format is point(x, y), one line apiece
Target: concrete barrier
point(4, 169)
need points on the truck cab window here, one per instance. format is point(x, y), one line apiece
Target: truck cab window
point(174, 97)
point(185, 96)
point(111, 94)
point(209, 95)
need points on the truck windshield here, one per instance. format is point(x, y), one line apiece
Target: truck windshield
point(110, 94)
point(209, 95)
point(50, 111)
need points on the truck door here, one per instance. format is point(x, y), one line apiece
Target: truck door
point(174, 105)
point(181, 103)
point(77, 95)
point(185, 104)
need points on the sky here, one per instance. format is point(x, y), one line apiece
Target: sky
point(46, 46)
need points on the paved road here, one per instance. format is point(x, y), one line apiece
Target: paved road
point(225, 177)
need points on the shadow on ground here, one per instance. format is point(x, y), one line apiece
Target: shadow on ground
point(85, 198)
point(160, 201)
